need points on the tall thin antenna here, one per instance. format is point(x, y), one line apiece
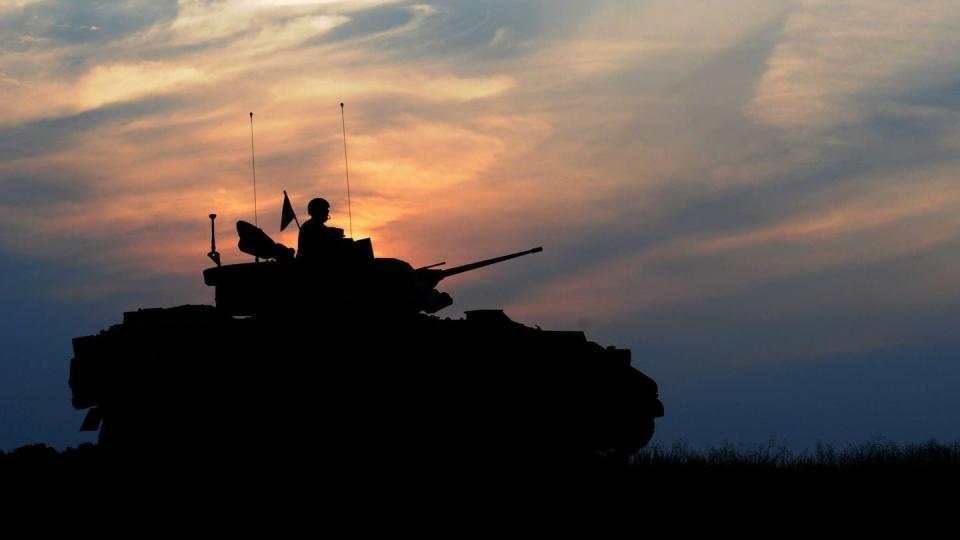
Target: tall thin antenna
point(253, 166)
point(346, 167)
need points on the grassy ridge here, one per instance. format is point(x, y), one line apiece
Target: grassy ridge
point(654, 482)
point(873, 454)
point(678, 458)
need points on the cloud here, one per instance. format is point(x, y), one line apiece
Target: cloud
point(199, 20)
point(45, 24)
point(840, 62)
point(32, 188)
point(125, 82)
point(403, 83)
point(644, 146)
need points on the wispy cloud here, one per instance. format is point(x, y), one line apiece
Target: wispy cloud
point(840, 62)
point(664, 156)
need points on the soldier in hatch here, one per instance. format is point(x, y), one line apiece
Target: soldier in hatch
point(319, 244)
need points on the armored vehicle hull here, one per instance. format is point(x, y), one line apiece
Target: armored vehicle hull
point(196, 380)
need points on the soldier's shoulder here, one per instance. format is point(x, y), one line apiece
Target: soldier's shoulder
point(312, 226)
point(333, 232)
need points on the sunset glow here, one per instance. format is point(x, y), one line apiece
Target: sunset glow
point(796, 160)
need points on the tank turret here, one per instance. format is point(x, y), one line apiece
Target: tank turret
point(349, 279)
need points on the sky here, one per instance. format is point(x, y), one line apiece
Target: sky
point(755, 196)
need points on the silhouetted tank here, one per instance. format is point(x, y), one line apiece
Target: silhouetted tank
point(300, 361)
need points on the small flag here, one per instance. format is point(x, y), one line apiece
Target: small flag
point(288, 214)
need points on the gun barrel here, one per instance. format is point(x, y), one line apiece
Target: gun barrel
point(480, 264)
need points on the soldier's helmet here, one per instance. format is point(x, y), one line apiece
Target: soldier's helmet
point(318, 207)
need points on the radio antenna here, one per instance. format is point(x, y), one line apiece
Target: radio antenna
point(346, 166)
point(253, 166)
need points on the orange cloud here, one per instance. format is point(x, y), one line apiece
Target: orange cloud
point(616, 138)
